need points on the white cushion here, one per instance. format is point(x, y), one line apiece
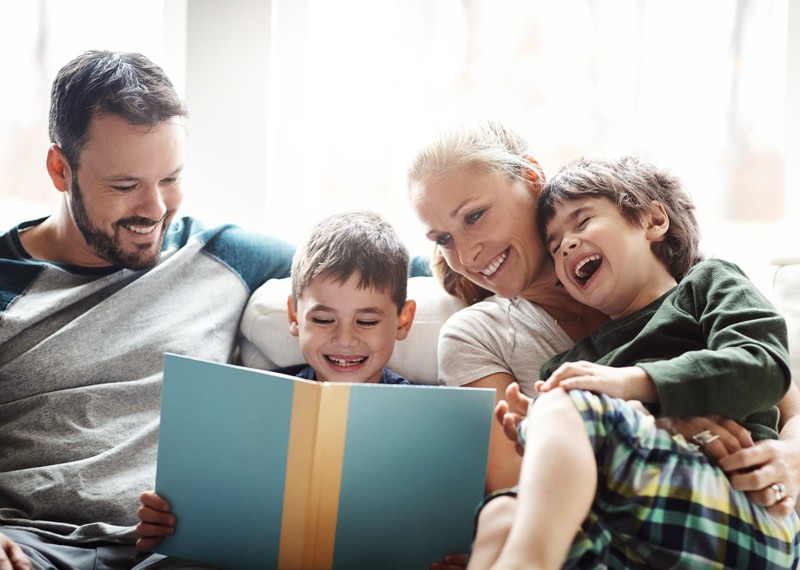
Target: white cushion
point(786, 287)
point(267, 343)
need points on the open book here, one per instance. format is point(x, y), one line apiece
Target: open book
point(265, 470)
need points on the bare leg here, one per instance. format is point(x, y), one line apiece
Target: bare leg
point(494, 523)
point(558, 482)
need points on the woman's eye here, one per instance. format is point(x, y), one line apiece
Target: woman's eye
point(443, 240)
point(473, 217)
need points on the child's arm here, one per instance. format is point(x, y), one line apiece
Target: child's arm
point(627, 382)
point(155, 521)
point(740, 365)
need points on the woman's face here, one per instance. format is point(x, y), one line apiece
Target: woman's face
point(484, 224)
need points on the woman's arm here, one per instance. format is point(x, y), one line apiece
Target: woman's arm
point(504, 461)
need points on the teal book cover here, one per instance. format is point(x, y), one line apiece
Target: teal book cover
point(264, 470)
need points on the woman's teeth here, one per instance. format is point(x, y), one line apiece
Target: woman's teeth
point(489, 271)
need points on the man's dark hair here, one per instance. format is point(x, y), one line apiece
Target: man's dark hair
point(125, 84)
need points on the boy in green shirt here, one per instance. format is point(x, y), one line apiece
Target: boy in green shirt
point(686, 338)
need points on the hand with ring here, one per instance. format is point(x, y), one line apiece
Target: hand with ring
point(769, 472)
point(780, 491)
point(716, 437)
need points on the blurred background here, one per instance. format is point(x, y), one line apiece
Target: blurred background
point(300, 108)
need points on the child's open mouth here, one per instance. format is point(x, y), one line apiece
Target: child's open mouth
point(587, 267)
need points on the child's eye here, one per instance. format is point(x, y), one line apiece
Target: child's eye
point(321, 321)
point(583, 222)
point(368, 324)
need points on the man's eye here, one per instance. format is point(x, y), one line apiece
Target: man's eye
point(124, 188)
point(321, 321)
point(169, 181)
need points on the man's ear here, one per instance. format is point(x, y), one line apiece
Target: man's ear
point(656, 221)
point(58, 168)
point(291, 312)
point(406, 319)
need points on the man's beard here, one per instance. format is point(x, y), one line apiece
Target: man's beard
point(106, 246)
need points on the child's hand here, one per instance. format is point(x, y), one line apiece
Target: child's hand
point(511, 412)
point(628, 382)
point(155, 521)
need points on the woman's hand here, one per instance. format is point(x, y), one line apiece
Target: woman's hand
point(11, 555)
point(626, 382)
point(155, 521)
point(510, 412)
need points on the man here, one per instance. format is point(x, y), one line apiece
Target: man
point(90, 299)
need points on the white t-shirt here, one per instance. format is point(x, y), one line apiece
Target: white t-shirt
point(498, 335)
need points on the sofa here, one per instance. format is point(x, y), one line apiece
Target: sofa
point(267, 344)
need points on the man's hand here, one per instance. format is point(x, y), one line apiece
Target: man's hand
point(732, 436)
point(155, 521)
point(11, 555)
point(763, 469)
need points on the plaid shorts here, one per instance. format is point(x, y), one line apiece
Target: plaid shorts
point(660, 503)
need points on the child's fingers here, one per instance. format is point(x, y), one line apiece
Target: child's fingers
point(500, 411)
point(151, 516)
point(517, 399)
point(153, 500)
point(510, 426)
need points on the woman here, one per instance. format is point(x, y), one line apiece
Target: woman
point(475, 191)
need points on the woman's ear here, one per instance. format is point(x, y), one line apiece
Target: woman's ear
point(656, 221)
point(58, 168)
point(534, 174)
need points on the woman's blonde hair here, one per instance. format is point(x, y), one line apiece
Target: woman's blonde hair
point(488, 146)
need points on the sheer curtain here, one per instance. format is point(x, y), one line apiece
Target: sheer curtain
point(698, 87)
point(305, 107)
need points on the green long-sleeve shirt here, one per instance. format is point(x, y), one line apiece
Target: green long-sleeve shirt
point(713, 345)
